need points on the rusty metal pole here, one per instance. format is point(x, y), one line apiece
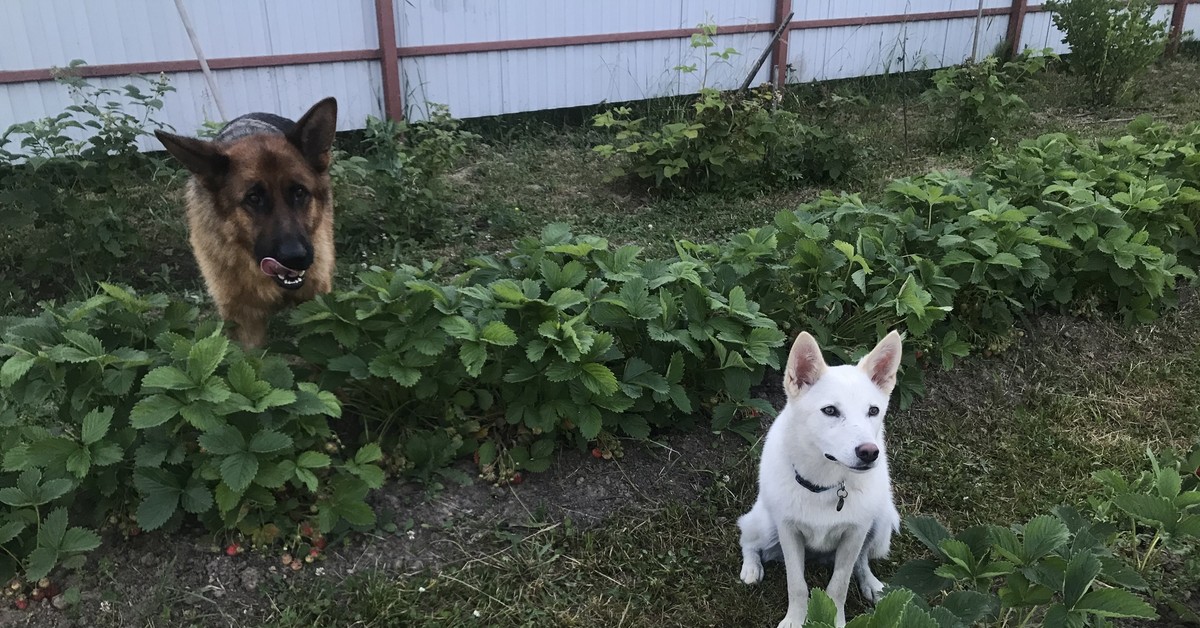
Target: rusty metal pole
point(1016, 21)
point(783, 11)
point(389, 61)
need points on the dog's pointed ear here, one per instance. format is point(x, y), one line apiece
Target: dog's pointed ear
point(201, 158)
point(883, 361)
point(313, 134)
point(805, 365)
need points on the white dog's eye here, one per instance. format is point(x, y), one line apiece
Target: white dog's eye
point(874, 411)
point(830, 411)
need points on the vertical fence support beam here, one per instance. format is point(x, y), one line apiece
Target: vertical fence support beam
point(783, 9)
point(1176, 37)
point(1016, 23)
point(389, 60)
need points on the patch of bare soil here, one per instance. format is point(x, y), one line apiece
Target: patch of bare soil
point(157, 580)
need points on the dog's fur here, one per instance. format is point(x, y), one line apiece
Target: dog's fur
point(793, 521)
point(260, 213)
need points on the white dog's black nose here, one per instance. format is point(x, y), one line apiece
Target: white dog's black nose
point(867, 452)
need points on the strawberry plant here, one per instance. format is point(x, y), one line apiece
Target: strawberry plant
point(1158, 513)
point(1059, 568)
point(1046, 225)
point(563, 338)
point(131, 404)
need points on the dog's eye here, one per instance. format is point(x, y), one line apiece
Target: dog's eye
point(254, 199)
point(299, 195)
point(830, 411)
point(874, 411)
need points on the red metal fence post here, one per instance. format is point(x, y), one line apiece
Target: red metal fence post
point(1016, 22)
point(1176, 26)
point(389, 60)
point(783, 8)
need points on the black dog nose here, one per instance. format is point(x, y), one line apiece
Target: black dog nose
point(295, 254)
point(867, 452)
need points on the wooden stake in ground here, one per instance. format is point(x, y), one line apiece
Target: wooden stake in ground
point(975, 41)
point(208, 75)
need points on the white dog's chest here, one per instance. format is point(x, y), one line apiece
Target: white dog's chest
point(816, 517)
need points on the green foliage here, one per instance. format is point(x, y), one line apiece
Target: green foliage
point(1158, 513)
point(563, 338)
point(1112, 42)
point(64, 208)
point(980, 100)
point(395, 191)
point(724, 139)
point(1052, 224)
point(124, 404)
point(1063, 569)
point(1058, 567)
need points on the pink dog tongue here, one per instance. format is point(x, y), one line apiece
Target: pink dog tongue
point(272, 267)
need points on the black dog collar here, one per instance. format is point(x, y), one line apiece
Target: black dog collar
point(816, 488)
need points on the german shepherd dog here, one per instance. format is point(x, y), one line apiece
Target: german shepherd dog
point(260, 213)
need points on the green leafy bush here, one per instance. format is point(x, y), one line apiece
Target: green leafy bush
point(1112, 42)
point(980, 100)
point(1158, 513)
point(127, 405)
point(565, 337)
point(1054, 223)
point(1063, 569)
point(395, 191)
point(1060, 568)
point(725, 139)
point(66, 206)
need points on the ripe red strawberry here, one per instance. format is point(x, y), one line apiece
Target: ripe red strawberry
point(517, 478)
point(306, 529)
point(314, 552)
point(596, 453)
point(233, 550)
point(320, 542)
point(21, 604)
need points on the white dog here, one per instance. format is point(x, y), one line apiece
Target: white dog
point(823, 484)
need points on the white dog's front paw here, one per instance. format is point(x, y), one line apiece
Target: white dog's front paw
point(872, 590)
point(792, 622)
point(752, 571)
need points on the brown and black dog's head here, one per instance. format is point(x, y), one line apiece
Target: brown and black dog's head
point(274, 186)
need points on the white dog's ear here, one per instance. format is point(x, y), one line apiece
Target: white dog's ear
point(804, 366)
point(883, 361)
